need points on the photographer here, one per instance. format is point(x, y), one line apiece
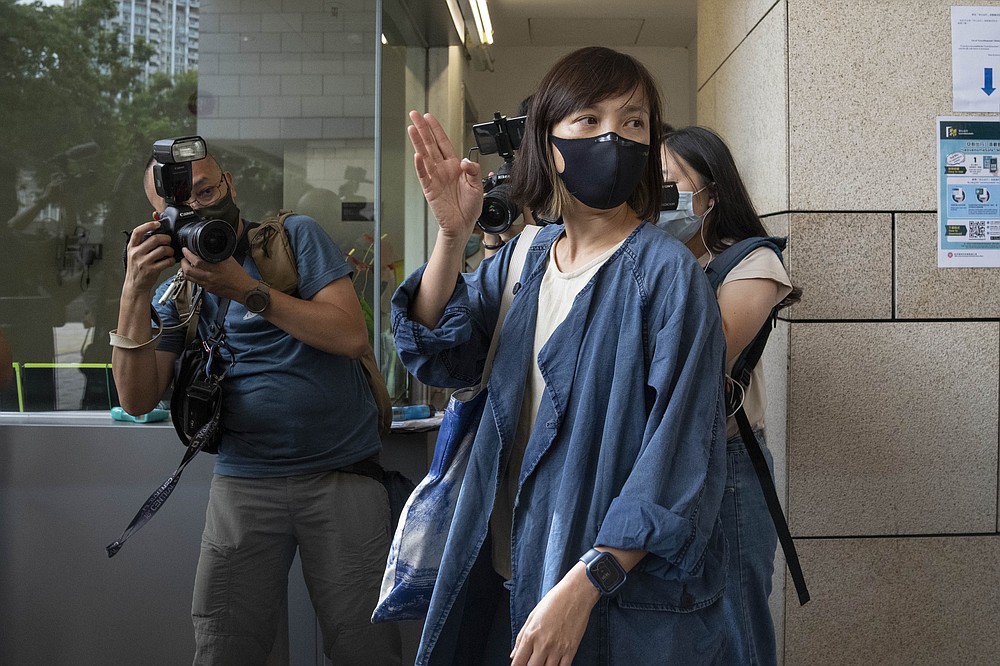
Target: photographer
point(297, 420)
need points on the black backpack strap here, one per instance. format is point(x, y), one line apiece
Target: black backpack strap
point(743, 366)
point(740, 374)
point(725, 261)
point(773, 505)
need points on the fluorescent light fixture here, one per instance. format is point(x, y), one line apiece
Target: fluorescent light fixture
point(486, 30)
point(457, 19)
point(479, 21)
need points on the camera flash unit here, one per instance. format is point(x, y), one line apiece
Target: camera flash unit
point(174, 151)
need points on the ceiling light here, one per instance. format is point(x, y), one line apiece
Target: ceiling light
point(486, 32)
point(457, 19)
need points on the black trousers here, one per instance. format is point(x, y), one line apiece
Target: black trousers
point(478, 629)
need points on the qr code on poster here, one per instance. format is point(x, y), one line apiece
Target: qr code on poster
point(977, 230)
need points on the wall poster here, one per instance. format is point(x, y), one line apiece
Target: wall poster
point(968, 192)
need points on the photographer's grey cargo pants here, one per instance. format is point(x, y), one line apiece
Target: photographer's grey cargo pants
point(340, 524)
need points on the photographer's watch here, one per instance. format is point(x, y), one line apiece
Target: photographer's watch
point(258, 298)
point(604, 571)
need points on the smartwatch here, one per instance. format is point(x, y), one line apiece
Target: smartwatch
point(604, 571)
point(258, 298)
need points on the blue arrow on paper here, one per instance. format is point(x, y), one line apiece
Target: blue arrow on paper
point(988, 80)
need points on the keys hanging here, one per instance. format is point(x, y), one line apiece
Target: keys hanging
point(174, 288)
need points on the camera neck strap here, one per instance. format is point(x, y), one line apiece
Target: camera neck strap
point(220, 358)
point(161, 494)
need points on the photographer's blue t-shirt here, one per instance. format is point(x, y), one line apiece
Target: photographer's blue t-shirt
point(288, 408)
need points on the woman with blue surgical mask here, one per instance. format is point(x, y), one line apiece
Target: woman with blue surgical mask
point(713, 212)
point(587, 527)
point(678, 218)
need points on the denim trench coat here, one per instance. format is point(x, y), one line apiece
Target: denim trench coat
point(628, 449)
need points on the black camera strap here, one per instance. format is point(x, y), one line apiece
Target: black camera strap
point(218, 351)
point(161, 494)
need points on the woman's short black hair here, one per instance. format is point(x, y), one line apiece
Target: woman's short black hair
point(733, 217)
point(579, 80)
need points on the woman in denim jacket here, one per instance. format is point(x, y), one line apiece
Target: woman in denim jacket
point(602, 439)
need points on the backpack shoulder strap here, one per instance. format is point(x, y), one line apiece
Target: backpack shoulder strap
point(272, 252)
point(740, 374)
point(728, 259)
point(717, 271)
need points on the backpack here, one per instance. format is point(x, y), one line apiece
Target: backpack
point(270, 250)
point(737, 382)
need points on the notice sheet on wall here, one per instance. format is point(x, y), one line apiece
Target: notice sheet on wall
point(975, 57)
point(968, 192)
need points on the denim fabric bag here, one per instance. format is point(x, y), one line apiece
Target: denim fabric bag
point(419, 542)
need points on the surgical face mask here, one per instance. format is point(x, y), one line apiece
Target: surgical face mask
point(224, 209)
point(603, 171)
point(683, 223)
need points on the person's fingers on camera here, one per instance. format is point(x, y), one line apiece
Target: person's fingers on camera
point(55, 183)
point(138, 234)
point(226, 278)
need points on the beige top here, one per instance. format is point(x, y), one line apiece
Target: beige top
point(555, 298)
point(761, 263)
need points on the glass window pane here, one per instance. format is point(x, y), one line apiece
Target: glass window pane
point(284, 95)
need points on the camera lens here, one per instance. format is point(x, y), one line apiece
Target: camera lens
point(499, 212)
point(212, 240)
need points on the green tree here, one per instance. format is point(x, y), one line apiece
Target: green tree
point(64, 71)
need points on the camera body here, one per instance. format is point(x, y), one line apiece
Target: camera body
point(212, 240)
point(501, 136)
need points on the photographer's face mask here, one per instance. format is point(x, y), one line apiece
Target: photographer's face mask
point(603, 171)
point(224, 209)
point(683, 223)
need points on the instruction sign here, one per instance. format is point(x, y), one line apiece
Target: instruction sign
point(968, 192)
point(975, 58)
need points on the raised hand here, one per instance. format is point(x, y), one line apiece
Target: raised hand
point(452, 185)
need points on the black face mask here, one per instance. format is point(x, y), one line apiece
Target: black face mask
point(603, 171)
point(224, 209)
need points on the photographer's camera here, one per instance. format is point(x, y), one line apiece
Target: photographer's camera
point(212, 240)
